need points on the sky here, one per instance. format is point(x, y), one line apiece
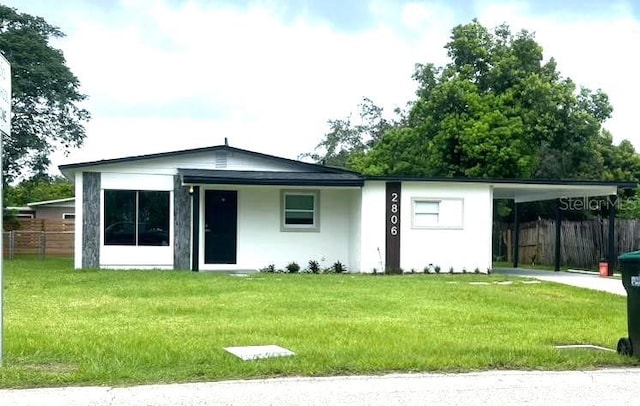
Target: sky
point(267, 75)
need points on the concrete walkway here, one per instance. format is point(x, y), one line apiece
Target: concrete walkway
point(600, 387)
point(581, 280)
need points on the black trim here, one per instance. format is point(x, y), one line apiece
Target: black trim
point(195, 254)
point(570, 182)
point(228, 177)
point(300, 164)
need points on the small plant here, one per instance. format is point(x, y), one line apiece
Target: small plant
point(339, 267)
point(271, 268)
point(437, 268)
point(426, 270)
point(314, 266)
point(450, 269)
point(464, 269)
point(293, 267)
point(488, 271)
point(413, 270)
point(477, 270)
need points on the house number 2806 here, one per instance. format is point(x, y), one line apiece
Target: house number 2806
point(394, 214)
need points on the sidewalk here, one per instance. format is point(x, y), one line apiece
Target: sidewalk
point(600, 387)
point(581, 280)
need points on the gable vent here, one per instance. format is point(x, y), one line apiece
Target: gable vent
point(221, 160)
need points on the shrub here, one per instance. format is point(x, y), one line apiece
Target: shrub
point(464, 270)
point(293, 267)
point(426, 269)
point(477, 270)
point(339, 267)
point(450, 269)
point(488, 271)
point(437, 269)
point(271, 268)
point(314, 266)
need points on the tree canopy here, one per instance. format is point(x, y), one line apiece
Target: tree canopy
point(46, 98)
point(496, 110)
point(38, 189)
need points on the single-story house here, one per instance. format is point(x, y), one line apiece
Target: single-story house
point(227, 209)
point(58, 209)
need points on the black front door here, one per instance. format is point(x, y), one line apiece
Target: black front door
point(220, 226)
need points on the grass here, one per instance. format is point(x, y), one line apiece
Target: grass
point(65, 327)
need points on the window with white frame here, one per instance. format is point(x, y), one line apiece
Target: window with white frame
point(437, 213)
point(426, 213)
point(300, 210)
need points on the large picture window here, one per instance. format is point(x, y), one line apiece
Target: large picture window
point(133, 217)
point(300, 210)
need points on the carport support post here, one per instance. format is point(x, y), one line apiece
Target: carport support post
point(611, 254)
point(558, 235)
point(516, 235)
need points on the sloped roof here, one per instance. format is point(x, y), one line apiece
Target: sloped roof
point(302, 165)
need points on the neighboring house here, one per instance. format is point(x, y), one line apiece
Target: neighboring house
point(224, 208)
point(59, 209)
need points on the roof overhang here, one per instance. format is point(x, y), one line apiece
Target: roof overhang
point(229, 177)
point(522, 193)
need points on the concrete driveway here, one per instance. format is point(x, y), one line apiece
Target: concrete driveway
point(581, 280)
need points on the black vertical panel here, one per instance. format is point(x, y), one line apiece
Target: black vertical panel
point(195, 214)
point(516, 235)
point(392, 251)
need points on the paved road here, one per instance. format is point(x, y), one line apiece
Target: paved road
point(589, 281)
point(600, 387)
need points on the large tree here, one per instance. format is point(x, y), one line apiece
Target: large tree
point(498, 110)
point(46, 98)
point(37, 189)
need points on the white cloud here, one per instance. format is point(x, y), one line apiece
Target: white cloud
point(272, 84)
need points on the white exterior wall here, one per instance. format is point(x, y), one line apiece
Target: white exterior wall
point(77, 250)
point(201, 160)
point(467, 247)
point(118, 256)
point(260, 240)
point(373, 232)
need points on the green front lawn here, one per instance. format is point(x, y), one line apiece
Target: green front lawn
point(65, 327)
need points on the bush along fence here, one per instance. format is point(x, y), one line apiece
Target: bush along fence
point(583, 243)
point(39, 237)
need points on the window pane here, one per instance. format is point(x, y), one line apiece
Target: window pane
point(298, 202)
point(426, 207)
point(298, 217)
point(424, 220)
point(153, 218)
point(119, 217)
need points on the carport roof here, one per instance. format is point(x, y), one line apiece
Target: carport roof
point(530, 190)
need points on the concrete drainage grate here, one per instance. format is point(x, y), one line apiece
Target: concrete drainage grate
point(583, 347)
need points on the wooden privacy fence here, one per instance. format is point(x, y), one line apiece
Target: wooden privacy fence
point(41, 237)
point(583, 243)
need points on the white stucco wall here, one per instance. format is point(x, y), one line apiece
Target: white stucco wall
point(372, 234)
point(466, 247)
point(199, 160)
point(261, 241)
point(117, 256)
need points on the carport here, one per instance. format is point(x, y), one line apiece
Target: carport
point(567, 195)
